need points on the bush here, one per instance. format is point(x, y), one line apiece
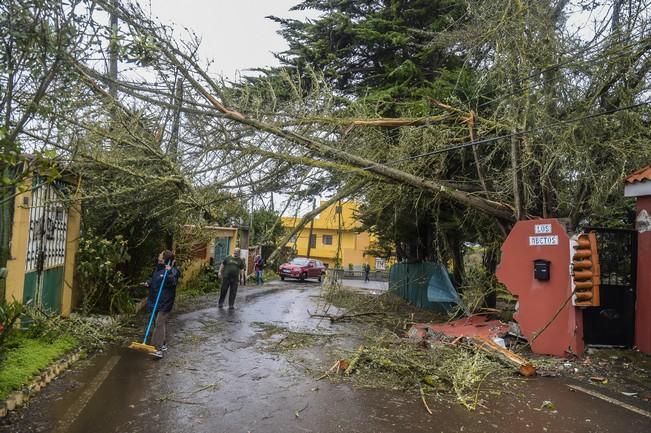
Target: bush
point(103, 286)
point(10, 312)
point(198, 278)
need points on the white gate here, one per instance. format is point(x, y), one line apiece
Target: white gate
point(46, 248)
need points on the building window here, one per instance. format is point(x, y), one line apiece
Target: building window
point(327, 239)
point(313, 241)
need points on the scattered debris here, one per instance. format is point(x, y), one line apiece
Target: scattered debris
point(388, 361)
point(298, 412)
point(422, 397)
point(599, 379)
point(524, 366)
point(548, 405)
point(473, 326)
point(281, 339)
point(611, 400)
point(484, 333)
point(339, 365)
point(344, 316)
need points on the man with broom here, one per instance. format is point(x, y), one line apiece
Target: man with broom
point(164, 279)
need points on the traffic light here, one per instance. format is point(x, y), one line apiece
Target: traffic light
point(586, 271)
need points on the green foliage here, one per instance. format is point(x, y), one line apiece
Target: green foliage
point(267, 227)
point(91, 332)
point(26, 357)
point(381, 51)
point(103, 286)
point(198, 279)
point(10, 313)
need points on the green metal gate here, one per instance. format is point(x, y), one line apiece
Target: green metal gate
point(222, 248)
point(46, 248)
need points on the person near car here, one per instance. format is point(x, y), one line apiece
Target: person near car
point(259, 267)
point(367, 271)
point(229, 272)
point(165, 269)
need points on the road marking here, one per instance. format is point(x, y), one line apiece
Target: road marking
point(611, 400)
point(78, 406)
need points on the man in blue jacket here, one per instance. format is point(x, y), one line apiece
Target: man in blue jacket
point(166, 302)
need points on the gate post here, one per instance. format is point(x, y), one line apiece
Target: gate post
point(638, 185)
point(535, 267)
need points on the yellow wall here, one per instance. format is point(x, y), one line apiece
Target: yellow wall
point(353, 244)
point(18, 245)
point(68, 298)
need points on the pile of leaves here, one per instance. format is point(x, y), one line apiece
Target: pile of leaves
point(91, 332)
point(386, 359)
point(386, 310)
point(279, 339)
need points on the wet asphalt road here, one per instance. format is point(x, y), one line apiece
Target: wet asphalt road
point(215, 379)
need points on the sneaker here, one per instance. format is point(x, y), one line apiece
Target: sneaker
point(157, 355)
point(163, 348)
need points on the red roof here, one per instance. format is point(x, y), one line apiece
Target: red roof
point(640, 175)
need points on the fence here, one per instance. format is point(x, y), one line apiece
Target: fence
point(425, 285)
point(341, 274)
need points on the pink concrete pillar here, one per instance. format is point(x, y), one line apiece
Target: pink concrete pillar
point(540, 301)
point(643, 296)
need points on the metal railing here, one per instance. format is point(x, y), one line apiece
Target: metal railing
point(343, 274)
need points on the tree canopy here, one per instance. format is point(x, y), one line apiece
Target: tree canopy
point(452, 119)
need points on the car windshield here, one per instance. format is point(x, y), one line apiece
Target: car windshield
point(299, 261)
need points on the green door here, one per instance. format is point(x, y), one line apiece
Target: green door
point(222, 248)
point(44, 268)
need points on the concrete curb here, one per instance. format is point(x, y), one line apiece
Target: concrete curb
point(20, 398)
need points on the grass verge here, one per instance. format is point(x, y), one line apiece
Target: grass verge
point(24, 357)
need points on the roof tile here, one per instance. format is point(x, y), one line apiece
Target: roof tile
point(641, 175)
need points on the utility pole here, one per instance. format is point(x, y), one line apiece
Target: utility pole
point(309, 241)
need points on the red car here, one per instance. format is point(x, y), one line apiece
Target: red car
point(302, 268)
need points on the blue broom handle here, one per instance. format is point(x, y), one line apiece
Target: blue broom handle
point(153, 311)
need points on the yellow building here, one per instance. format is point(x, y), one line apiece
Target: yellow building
point(338, 219)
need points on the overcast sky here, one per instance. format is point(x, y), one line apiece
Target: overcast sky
point(235, 34)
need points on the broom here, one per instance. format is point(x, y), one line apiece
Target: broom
point(144, 347)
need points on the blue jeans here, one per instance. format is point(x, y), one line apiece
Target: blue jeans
point(258, 277)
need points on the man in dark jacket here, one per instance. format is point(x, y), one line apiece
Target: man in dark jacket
point(367, 271)
point(165, 268)
point(229, 272)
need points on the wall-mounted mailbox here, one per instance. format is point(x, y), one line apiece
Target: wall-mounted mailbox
point(541, 269)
